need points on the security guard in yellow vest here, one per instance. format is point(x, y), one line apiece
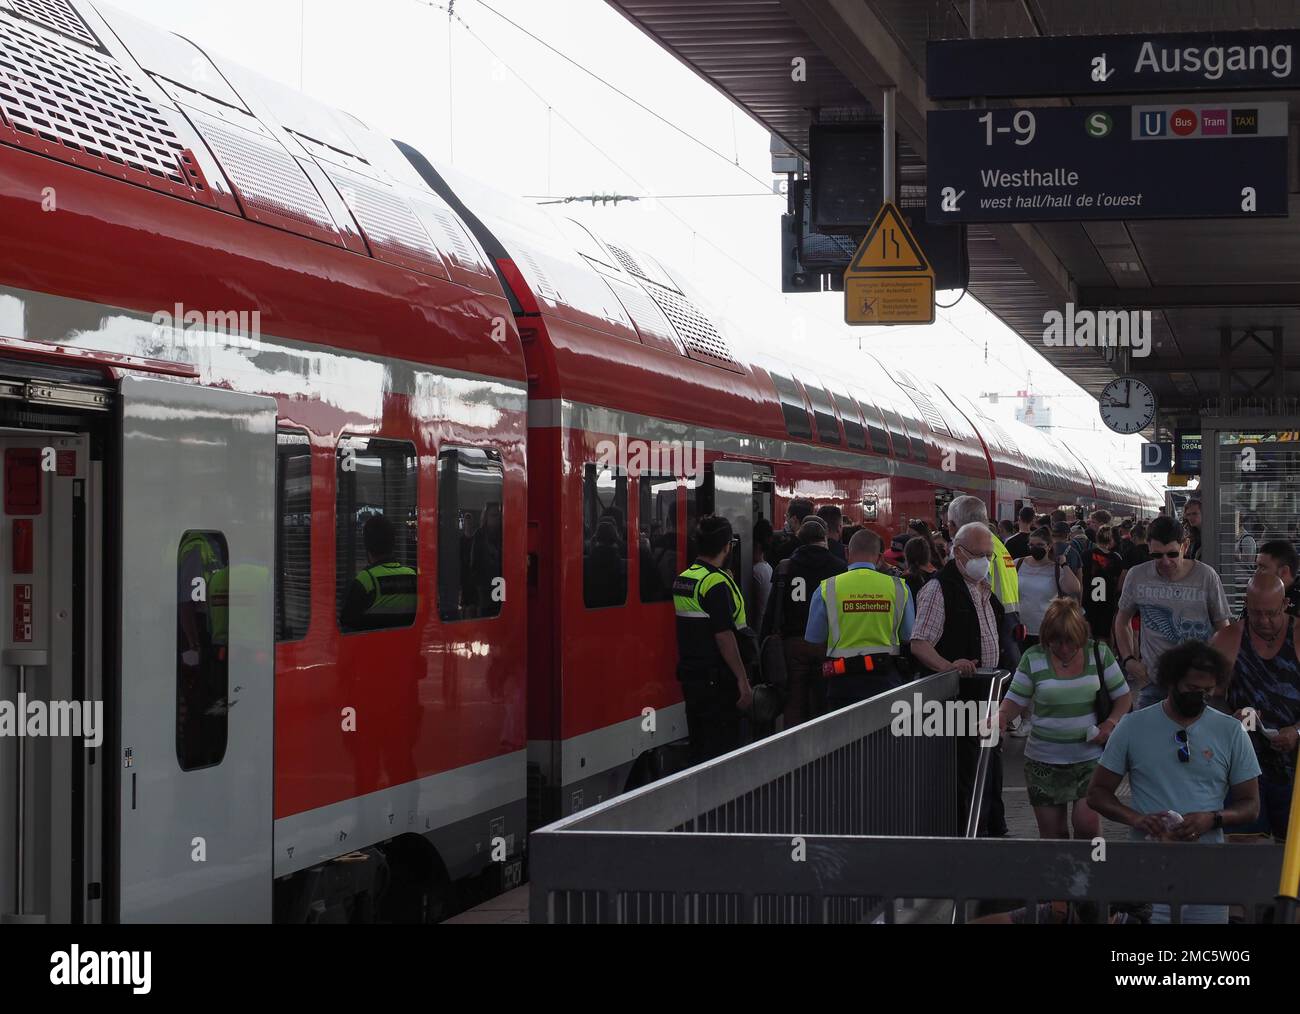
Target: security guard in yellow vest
point(1003, 575)
point(384, 594)
point(861, 619)
point(710, 609)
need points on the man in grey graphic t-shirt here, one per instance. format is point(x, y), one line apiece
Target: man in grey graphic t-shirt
point(1178, 600)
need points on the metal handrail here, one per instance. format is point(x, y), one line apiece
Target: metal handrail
point(658, 877)
point(842, 774)
point(991, 703)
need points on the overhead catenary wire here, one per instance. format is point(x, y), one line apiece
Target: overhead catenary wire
point(734, 162)
point(594, 146)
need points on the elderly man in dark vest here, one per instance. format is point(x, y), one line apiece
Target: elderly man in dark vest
point(958, 617)
point(958, 620)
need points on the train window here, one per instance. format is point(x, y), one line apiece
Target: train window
point(375, 578)
point(471, 485)
point(658, 545)
point(902, 445)
point(604, 537)
point(849, 414)
point(879, 441)
point(793, 407)
point(292, 535)
point(828, 429)
point(202, 645)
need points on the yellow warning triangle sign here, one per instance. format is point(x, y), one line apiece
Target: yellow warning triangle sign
point(889, 247)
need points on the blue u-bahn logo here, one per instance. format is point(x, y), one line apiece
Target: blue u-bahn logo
point(1151, 123)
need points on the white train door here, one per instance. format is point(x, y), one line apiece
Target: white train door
point(195, 749)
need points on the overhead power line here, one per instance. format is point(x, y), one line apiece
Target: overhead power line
point(618, 198)
point(734, 162)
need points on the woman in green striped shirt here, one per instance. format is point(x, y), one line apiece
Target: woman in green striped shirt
point(1062, 677)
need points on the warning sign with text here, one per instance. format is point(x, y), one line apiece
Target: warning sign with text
point(889, 280)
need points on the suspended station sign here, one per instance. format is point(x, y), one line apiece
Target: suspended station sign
point(889, 280)
point(1157, 457)
point(1113, 64)
point(1181, 160)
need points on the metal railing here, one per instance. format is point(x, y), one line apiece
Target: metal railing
point(844, 774)
point(640, 877)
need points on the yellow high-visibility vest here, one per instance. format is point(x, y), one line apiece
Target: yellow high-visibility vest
point(694, 583)
point(1004, 577)
point(864, 611)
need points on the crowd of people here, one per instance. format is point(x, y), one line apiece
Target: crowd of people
point(1127, 660)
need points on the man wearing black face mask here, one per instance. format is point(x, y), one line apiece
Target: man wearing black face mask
point(1182, 760)
point(1063, 550)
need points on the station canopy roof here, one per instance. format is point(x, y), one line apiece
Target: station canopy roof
point(1207, 282)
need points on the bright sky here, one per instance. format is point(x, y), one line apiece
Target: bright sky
point(479, 93)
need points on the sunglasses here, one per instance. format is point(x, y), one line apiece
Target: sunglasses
point(1184, 751)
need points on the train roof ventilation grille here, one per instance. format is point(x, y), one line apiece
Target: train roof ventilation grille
point(544, 286)
point(56, 15)
point(54, 93)
point(390, 225)
point(645, 313)
point(460, 247)
point(627, 261)
point(929, 412)
point(271, 185)
point(643, 266)
point(701, 338)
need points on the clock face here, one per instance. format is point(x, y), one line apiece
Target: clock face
point(1128, 405)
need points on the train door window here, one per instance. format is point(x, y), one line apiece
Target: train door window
point(828, 428)
point(793, 407)
point(658, 543)
point(764, 494)
point(604, 537)
point(202, 645)
point(376, 582)
point(851, 416)
point(692, 517)
point(292, 535)
point(471, 488)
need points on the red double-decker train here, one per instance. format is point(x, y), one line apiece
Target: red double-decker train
point(240, 334)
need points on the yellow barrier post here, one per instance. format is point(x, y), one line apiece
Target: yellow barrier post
point(1290, 886)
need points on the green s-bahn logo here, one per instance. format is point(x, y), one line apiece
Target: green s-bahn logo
point(1099, 124)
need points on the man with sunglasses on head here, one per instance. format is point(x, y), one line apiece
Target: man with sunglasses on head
point(1178, 600)
point(1182, 760)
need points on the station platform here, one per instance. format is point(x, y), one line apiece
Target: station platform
point(510, 908)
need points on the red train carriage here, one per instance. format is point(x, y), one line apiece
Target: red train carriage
point(382, 375)
point(237, 326)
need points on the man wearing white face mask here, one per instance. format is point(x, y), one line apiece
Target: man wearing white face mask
point(958, 619)
point(958, 616)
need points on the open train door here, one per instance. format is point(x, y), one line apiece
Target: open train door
point(733, 499)
point(196, 700)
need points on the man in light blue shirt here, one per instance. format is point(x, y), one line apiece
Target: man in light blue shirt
point(863, 628)
point(1182, 757)
point(817, 623)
